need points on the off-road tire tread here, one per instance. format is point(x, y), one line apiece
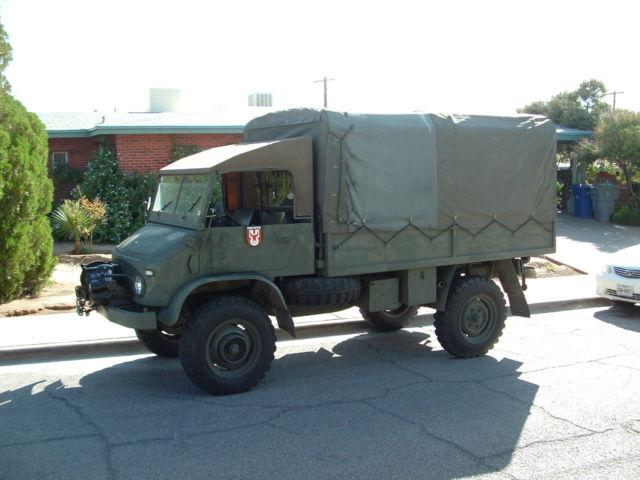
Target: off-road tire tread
point(322, 291)
point(460, 291)
point(380, 321)
point(190, 336)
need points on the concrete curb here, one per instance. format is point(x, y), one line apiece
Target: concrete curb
point(129, 345)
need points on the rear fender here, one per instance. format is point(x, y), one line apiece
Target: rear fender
point(264, 291)
point(508, 278)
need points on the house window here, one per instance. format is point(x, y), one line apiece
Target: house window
point(59, 158)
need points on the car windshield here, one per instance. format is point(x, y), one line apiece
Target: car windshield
point(182, 195)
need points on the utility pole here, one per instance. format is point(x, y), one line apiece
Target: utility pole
point(325, 80)
point(614, 97)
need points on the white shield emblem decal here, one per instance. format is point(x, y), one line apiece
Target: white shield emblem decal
point(254, 236)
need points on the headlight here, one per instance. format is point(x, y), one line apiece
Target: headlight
point(138, 286)
point(606, 269)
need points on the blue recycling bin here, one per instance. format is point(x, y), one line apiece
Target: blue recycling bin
point(583, 204)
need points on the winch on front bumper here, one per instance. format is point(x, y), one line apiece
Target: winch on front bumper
point(104, 288)
point(100, 283)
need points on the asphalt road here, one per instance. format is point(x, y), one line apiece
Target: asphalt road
point(558, 398)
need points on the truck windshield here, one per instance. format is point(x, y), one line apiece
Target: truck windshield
point(182, 195)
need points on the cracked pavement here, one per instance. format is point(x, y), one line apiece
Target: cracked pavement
point(557, 398)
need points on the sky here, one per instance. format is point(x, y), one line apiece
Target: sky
point(449, 56)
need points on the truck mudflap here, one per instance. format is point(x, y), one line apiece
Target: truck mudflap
point(509, 280)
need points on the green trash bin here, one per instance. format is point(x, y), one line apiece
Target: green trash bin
point(604, 196)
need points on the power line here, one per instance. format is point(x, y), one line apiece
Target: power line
point(325, 80)
point(614, 97)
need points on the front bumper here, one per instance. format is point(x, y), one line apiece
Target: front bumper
point(103, 289)
point(129, 316)
point(616, 287)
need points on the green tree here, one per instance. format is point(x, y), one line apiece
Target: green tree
point(26, 193)
point(5, 59)
point(581, 108)
point(617, 139)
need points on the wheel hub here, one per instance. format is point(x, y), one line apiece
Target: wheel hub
point(476, 317)
point(230, 348)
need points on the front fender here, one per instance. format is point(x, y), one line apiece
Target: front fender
point(265, 288)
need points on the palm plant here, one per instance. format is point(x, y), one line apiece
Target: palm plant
point(77, 220)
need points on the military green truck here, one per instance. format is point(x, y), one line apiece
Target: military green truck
point(320, 211)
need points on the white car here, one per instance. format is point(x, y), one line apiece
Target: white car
point(620, 277)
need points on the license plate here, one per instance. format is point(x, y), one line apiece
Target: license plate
point(624, 290)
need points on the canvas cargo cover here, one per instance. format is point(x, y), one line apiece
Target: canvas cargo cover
point(432, 171)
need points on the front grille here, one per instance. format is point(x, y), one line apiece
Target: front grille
point(627, 272)
point(613, 293)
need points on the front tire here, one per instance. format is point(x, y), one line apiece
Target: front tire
point(158, 341)
point(390, 320)
point(473, 319)
point(227, 346)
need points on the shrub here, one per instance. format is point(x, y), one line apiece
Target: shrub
point(140, 188)
point(125, 196)
point(78, 219)
point(25, 199)
point(104, 180)
point(627, 216)
point(26, 246)
point(181, 151)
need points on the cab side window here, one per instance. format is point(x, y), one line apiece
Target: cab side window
point(263, 197)
point(275, 196)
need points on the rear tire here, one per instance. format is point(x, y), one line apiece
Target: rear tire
point(390, 320)
point(473, 319)
point(228, 345)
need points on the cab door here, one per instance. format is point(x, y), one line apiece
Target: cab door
point(270, 250)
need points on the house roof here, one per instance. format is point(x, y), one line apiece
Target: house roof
point(91, 124)
point(566, 134)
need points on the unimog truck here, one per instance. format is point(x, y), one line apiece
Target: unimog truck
point(320, 211)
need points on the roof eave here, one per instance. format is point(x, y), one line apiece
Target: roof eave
point(69, 133)
point(570, 137)
point(138, 130)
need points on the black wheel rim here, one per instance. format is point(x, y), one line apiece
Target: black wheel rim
point(233, 348)
point(478, 318)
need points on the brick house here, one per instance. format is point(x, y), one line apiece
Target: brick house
point(144, 142)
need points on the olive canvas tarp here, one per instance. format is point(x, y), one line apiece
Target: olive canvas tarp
point(431, 170)
point(419, 190)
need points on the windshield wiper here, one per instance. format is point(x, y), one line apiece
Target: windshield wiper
point(166, 205)
point(192, 205)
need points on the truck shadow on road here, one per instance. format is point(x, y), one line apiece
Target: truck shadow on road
point(371, 406)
